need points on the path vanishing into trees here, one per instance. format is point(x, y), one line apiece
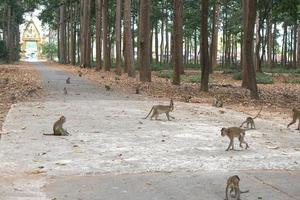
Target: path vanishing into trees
point(115, 154)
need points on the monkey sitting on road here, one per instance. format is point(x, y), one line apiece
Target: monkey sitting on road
point(233, 132)
point(68, 80)
point(58, 130)
point(233, 185)
point(159, 109)
point(65, 91)
point(296, 115)
point(250, 120)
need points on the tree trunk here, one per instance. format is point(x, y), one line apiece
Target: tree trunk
point(98, 34)
point(118, 37)
point(298, 47)
point(215, 32)
point(295, 47)
point(106, 40)
point(249, 77)
point(85, 35)
point(62, 34)
point(144, 42)
point(156, 43)
point(204, 46)
point(128, 53)
point(73, 34)
point(270, 41)
point(177, 40)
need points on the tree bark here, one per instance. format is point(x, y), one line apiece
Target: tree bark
point(177, 40)
point(204, 46)
point(128, 48)
point(118, 37)
point(62, 34)
point(249, 76)
point(106, 40)
point(98, 34)
point(215, 33)
point(144, 41)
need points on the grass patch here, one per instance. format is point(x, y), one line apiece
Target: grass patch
point(295, 81)
point(185, 78)
point(261, 78)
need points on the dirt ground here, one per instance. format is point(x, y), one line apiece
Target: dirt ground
point(277, 99)
point(18, 83)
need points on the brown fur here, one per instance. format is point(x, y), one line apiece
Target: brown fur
point(159, 109)
point(296, 115)
point(233, 132)
point(233, 184)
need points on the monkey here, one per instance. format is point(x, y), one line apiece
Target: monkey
point(296, 115)
point(58, 129)
point(250, 120)
point(65, 91)
point(233, 185)
point(79, 73)
point(159, 109)
point(187, 99)
point(217, 102)
point(233, 132)
point(107, 87)
point(68, 80)
point(137, 90)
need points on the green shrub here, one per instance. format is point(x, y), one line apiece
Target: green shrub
point(49, 50)
point(237, 76)
point(262, 78)
point(166, 74)
point(295, 81)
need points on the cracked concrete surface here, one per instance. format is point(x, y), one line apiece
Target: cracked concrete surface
point(113, 152)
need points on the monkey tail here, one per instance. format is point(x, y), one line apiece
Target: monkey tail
point(243, 123)
point(258, 112)
point(50, 134)
point(246, 191)
point(149, 113)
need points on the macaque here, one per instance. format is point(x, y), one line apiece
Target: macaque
point(296, 115)
point(68, 80)
point(65, 91)
point(250, 120)
point(58, 129)
point(159, 109)
point(107, 87)
point(233, 184)
point(233, 132)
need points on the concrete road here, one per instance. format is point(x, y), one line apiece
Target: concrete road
point(113, 153)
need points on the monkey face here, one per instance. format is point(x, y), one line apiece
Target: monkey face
point(63, 119)
point(223, 132)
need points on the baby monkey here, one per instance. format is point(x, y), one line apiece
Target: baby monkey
point(107, 87)
point(233, 185)
point(296, 115)
point(68, 80)
point(159, 109)
point(233, 132)
point(65, 91)
point(250, 120)
point(58, 129)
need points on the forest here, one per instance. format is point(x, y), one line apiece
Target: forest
point(249, 37)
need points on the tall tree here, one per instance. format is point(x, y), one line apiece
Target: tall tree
point(215, 33)
point(98, 33)
point(62, 34)
point(118, 36)
point(128, 46)
point(144, 41)
point(106, 38)
point(249, 76)
point(177, 41)
point(204, 47)
point(85, 33)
